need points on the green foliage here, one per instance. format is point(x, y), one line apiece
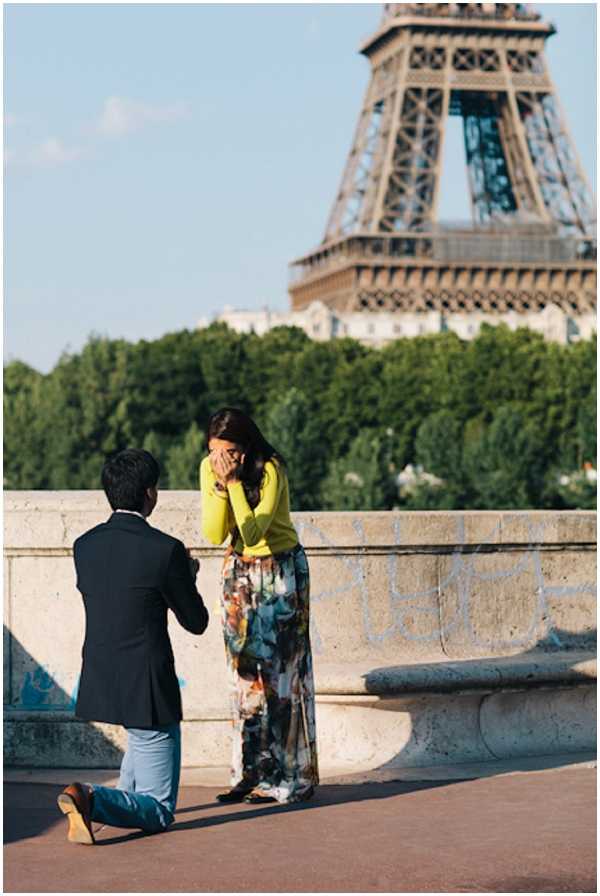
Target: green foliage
point(269, 364)
point(293, 431)
point(430, 497)
point(158, 446)
point(23, 428)
point(438, 444)
point(82, 415)
point(498, 421)
point(586, 427)
point(221, 356)
point(183, 459)
point(502, 465)
point(361, 480)
point(577, 491)
point(439, 451)
point(167, 385)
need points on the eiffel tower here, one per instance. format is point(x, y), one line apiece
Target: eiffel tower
point(531, 243)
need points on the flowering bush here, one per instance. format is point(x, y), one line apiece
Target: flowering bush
point(578, 489)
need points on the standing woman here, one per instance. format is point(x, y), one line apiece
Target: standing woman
point(265, 611)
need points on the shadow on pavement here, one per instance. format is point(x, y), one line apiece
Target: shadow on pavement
point(540, 883)
point(29, 811)
point(31, 692)
point(326, 795)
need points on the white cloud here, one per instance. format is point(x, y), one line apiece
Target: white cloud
point(119, 116)
point(122, 116)
point(48, 153)
point(53, 151)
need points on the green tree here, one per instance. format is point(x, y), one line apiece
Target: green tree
point(85, 413)
point(579, 384)
point(269, 368)
point(361, 479)
point(577, 491)
point(525, 407)
point(350, 404)
point(166, 387)
point(438, 450)
point(585, 431)
point(293, 431)
point(24, 429)
point(425, 496)
point(503, 464)
point(502, 366)
point(183, 459)
point(407, 391)
point(222, 356)
point(439, 445)
point(159, 447)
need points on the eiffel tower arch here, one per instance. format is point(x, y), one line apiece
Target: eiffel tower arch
point(531, 243)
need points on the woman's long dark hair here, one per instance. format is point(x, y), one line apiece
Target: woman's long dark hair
point(233, 425)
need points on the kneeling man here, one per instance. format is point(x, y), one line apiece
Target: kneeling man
point(130, 574)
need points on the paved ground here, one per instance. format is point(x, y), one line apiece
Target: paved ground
point(527, 832)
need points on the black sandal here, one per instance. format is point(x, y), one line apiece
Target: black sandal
point(307, 795)
point(237, 794)
point(255, 797)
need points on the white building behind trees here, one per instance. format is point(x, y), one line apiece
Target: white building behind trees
point(376, 328)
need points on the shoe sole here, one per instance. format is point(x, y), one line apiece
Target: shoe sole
point(225, 800)
point(78, 830)
point(256, 799)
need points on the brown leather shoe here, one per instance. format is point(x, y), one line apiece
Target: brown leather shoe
point(76, 803)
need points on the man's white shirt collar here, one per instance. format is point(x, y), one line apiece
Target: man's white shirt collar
point(134, 512)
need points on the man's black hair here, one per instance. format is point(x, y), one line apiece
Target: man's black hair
point(126, 476)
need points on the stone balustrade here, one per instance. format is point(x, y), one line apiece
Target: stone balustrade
point(438, 637)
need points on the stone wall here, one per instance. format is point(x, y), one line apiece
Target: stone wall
point(423, 626)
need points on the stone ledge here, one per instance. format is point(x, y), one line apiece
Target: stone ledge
point(37, 519)
point(382, 550)
point(569, 668)
point(220, 776)
point(357, 733)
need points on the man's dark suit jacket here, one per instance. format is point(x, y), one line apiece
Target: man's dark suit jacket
point(129, 575)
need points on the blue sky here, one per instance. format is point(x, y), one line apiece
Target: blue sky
point(165, 160)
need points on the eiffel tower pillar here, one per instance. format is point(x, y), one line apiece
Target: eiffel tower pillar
point(531, 241)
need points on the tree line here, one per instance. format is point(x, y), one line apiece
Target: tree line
point(506, 420)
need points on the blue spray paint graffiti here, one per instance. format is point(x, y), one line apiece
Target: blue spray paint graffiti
point(41, 692)
point(38, 688)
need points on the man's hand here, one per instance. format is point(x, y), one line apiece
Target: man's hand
point(194, 564)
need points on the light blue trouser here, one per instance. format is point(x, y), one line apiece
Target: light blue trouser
point(147, 791)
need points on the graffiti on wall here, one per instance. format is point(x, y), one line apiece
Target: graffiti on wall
point(393, 606)
point(466, 575)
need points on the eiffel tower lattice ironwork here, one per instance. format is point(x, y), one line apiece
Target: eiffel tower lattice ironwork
point(532, 238)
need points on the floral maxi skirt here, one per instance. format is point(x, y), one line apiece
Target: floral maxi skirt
point(265, 609)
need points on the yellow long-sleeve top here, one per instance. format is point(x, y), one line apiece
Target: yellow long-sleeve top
point(266, 529)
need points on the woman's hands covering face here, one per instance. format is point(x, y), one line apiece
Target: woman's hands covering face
point(226, 464)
